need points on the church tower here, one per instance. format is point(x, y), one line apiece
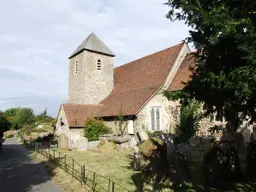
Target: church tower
point(91, 76)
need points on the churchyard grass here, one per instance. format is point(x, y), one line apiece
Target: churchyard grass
point(114, 165)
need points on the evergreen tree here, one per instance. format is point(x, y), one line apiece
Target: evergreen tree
point(224, 74)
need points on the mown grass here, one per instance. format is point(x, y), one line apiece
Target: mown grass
point(114, 165)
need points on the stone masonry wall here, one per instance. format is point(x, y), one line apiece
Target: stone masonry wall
point(62, 129)
point(167, 119)
point(90, 86)
point(76, 83)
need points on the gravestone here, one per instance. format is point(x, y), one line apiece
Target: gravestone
point(63, 142)
point(194, 141)
point(171, 147)
point(251, 159)
point(143, 135)
point(124, 145)
point(136, 161)
point(234, 164)
point(82, 144)
point(169, 140)
point(239, 139)
point(253, 136)
point(178, 168)
point(184, 148)
point(157, 169)
point(216, 169)
point(132, 142)
point(148, 146)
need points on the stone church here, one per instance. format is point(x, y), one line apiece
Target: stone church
point(97, 89)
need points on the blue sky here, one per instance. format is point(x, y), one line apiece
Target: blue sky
point(37, 36)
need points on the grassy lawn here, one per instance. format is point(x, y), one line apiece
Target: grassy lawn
point(114, 165)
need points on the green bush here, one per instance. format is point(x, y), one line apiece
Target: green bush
point(155, 133)
point(189, 119)
point(94, 128)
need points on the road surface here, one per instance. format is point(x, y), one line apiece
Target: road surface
point(19, 173)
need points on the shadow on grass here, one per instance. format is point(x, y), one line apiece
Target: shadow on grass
point(195, 163)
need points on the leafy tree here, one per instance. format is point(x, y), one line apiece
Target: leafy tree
point(94, 128)
point(19, 116)
point(25, 116)
point(224, 74)
point(11, 116)
point(4, 124)
point(11, 112)
point(42, 116)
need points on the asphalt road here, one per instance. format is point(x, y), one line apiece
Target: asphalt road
point(19, 173)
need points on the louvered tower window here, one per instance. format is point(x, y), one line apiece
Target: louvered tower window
point(99, 65)
point(76, 68)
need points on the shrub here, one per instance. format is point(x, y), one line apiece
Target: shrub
point(121, 125)
point(155, 133)
point(189, 119)
point(94, 128)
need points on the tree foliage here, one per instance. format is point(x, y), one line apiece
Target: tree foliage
point(4, 124)
point(224, 74)
point(25, 116)
point(19, 116)
point(190, 114)
point(94, 128)
point(42, 115)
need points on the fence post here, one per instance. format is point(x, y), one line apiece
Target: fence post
point(93, 181)
point(82, 174)
point(113, 186)
point(73, 166)
point(65, 161)
point(59, 160)
point(109, 185)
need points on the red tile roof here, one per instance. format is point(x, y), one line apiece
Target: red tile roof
point(76, 114)
point(135, 83)
point(183, 74)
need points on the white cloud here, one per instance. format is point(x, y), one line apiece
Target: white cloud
point(36, 38)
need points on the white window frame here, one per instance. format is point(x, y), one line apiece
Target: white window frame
point(153, 121)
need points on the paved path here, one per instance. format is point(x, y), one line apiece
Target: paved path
point(19, 173)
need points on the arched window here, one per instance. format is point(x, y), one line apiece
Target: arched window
point(99, 64)
point(157, 119)
point(76, 68)
point(153, 119)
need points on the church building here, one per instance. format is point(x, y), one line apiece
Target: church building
point(97, 89)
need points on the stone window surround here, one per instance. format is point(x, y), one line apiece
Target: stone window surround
point(99, 65)
point(76, 68)
point(156, 125)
